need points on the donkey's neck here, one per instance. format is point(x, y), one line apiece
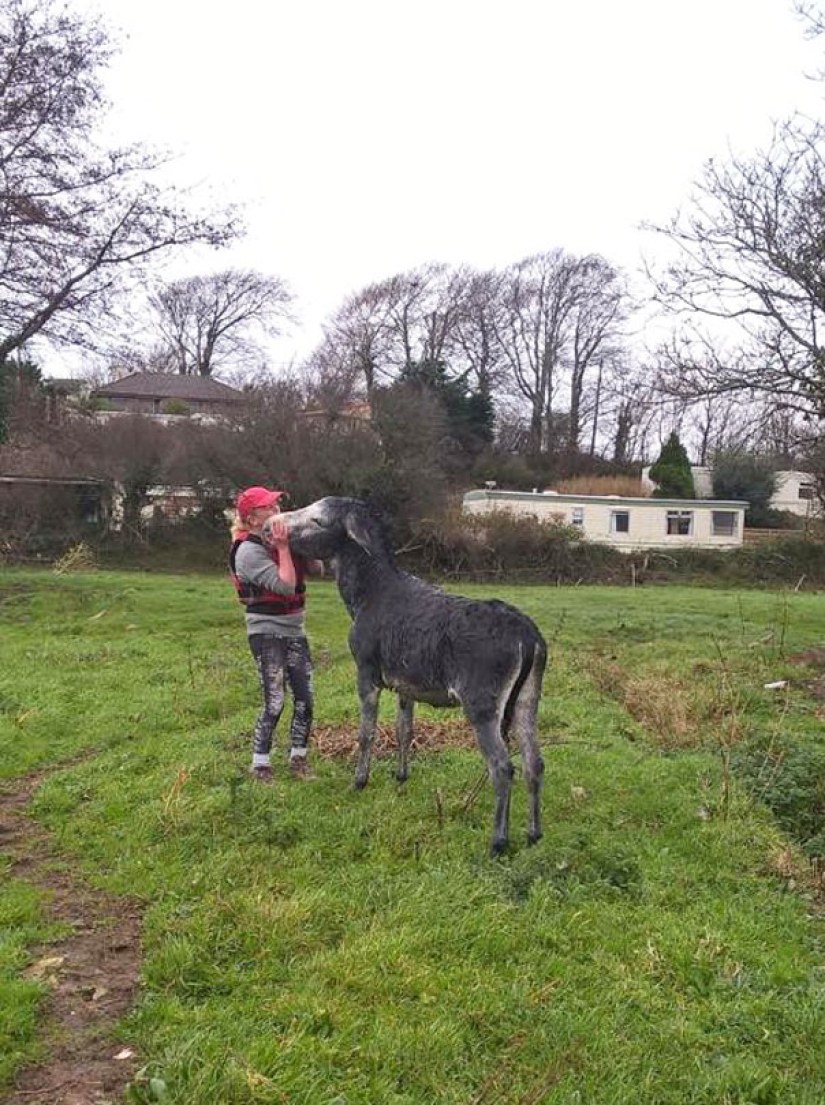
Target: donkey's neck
point(360, 575)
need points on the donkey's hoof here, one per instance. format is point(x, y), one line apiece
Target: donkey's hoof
point(359, 783)
point(534, 838)
point(499, 847)
point(401, 776)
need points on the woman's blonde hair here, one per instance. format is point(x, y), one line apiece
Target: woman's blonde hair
point(237, 526)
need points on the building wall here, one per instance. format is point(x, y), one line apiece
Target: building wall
point(796, 493)
point(647, 518)
point(786, 497)
point(147, 405)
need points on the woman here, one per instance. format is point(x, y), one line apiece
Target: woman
point(270, 584)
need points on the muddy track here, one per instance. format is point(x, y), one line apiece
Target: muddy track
point(91, 975)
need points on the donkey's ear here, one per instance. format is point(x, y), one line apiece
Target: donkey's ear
point(358, 527)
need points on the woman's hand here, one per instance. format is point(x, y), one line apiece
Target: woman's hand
point(276, 532)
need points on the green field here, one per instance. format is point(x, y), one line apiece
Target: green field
point(310, 944)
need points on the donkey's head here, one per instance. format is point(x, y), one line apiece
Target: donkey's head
point(320, 531)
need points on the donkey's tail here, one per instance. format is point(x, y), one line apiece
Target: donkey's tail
point(533, 663)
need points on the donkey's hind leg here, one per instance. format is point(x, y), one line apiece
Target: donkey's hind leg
point(403, 736)
point(525, 723)
point(500, 770)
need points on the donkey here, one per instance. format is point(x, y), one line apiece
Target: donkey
point(428, 646)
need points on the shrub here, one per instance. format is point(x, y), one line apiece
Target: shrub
point(176, 406)
point(744, 476)
point(501, 545)
point(630, 486)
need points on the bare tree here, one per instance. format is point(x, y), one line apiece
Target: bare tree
point(357, 338)
point(557, 319)
point(209, 322)
point(391, 326)
point(750, 252)
point(599, 312)
point(77, 220)
point(476, 325)
point(532, 328)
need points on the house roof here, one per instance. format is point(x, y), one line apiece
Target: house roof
point(60, 481)
point(551, 497)
point(169, 385)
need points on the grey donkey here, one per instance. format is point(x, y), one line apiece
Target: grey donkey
point(429, 646)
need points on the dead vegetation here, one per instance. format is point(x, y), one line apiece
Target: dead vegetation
point(341, 741)
point(630, 486)
point(670, 712)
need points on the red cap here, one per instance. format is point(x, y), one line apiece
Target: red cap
point(255, 497)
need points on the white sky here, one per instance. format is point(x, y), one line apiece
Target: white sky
point(370, 136)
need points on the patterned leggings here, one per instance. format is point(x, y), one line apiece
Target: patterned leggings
point(283, 660)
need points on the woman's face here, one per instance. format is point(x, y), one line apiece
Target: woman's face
point(259, 515)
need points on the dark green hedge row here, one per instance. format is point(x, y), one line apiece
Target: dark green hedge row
point(499, 547)
point(492, 548)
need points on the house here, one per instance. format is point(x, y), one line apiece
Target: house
point(168, 396)
point(622, 521)
point(795, 491)
point(63, 396)
point(38, 492)
point(63, 499)
point(347, 416)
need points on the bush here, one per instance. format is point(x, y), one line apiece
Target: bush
point(176, 406)
point(744, 476)
point(502, 546)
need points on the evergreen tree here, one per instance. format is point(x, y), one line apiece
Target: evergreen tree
point(470, 413)
point(671, 472)
point(16, 376)
point(744, 476)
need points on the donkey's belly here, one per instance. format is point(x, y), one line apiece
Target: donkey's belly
point(433, 696)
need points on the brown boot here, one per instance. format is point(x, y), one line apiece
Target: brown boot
point(299, 768)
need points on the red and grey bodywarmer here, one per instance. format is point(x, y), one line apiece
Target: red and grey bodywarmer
point(270, 607)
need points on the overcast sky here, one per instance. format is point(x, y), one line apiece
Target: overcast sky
point(369, 136)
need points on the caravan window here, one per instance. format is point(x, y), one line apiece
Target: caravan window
point(680, 523)
point(723, 523)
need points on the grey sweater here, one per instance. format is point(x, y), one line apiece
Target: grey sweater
point(254, 564)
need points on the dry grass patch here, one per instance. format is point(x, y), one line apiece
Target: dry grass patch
point(800, 873)
point(341, 741)
point(675, 714)
point(814, 659)
point(630, 486)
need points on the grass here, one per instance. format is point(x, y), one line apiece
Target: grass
point(313, 945)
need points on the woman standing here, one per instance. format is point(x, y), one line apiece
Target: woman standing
point(270, 583)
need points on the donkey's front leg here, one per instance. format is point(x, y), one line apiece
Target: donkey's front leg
point(403, 736)
point(369, 694)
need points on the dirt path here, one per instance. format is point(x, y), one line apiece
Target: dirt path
point(92, 974)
